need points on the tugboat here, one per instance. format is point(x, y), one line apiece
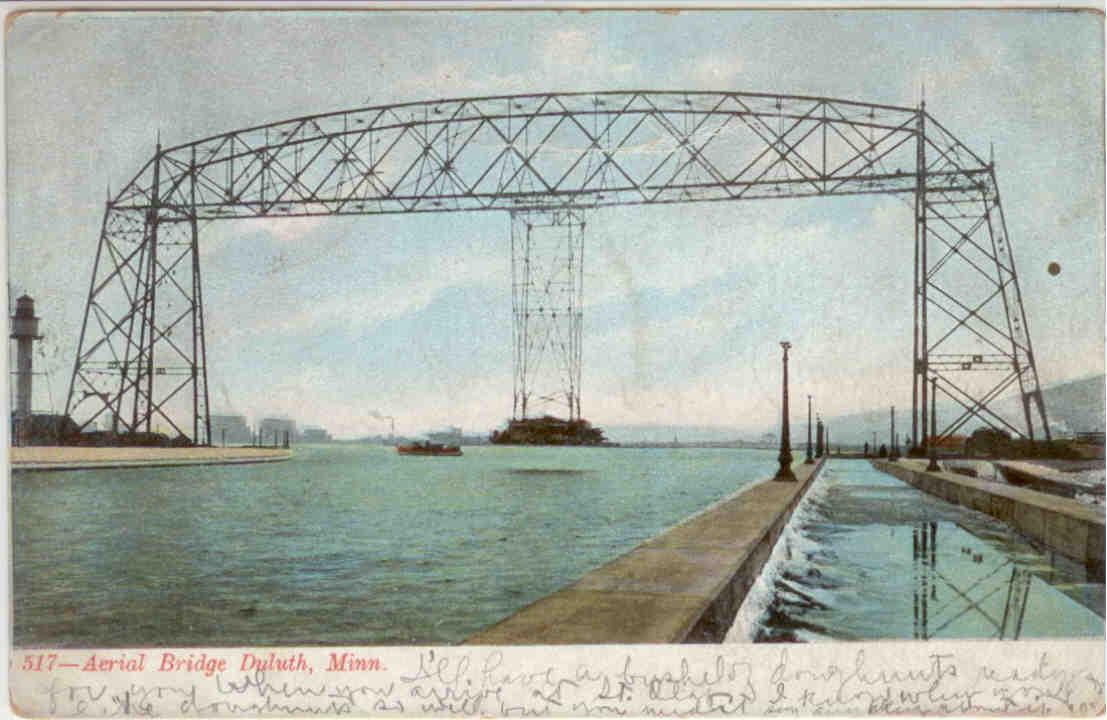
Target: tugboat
point(429, 448)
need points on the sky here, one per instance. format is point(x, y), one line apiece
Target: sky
point(336, 321)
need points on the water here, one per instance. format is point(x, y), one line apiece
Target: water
point(343, 544)
point(867, 556)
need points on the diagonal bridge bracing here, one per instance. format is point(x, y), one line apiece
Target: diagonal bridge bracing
point(141, 357)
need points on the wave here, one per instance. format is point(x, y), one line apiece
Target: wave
point(794, 541)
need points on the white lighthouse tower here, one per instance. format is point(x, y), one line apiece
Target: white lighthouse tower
point(24, 332)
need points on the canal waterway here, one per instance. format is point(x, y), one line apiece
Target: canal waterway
point(343, 544)
point(866, 556)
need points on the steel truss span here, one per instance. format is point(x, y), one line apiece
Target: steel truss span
point(141, 360)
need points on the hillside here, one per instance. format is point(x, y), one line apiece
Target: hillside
point(1073, 406)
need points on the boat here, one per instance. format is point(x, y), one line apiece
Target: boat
point(429, 448)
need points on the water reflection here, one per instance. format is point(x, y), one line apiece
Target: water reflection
point(869, 557)
point(966, 593)
point(924, 570)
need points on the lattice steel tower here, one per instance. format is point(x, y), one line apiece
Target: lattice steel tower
point(547, 284)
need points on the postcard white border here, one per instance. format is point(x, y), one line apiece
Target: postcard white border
point(1015, 667)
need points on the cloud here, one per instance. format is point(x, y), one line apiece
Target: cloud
point(566, 48)
point(717, 71)
point(288, 230)
point(456, 79)
point(351, 312)
point(562, 59)
point(283, 232)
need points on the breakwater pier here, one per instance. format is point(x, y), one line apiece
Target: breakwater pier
point(55, 458)
point(851, 551)
point(868, 556)
point(685, 585)
point(1062, 524)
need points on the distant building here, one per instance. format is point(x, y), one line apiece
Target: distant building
point(43, 429)
point(230, 429)
point(453, 436)
point(273, 430)
point(450, 436)
point(951, 444)
point(312, 434)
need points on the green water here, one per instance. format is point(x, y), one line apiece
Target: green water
point(868, 557)
point(342, 545)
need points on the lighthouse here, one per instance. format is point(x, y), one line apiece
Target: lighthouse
point(24, 332)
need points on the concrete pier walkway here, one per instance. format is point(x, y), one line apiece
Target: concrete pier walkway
point(53, 458)
point(1048, 480)
point(685, 585)
point(1062, 524)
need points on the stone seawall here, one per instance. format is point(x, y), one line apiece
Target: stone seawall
point(1062, 524)
point(53, 458)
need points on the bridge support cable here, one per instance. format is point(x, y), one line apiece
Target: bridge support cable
point(548, 159)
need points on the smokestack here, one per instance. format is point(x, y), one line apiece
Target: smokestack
point(24, 332)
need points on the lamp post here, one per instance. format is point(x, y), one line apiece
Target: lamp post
point(932, 444)
point(827, 440)
point(810, 460)
point(893, 454)
point(784, 472)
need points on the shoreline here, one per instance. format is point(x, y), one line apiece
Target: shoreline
point(59, 458)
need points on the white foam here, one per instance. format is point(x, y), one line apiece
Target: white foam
point(983, 469)
point(791, 542)
point(1091, 479)
point(1089, 499)
point(810, 636)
